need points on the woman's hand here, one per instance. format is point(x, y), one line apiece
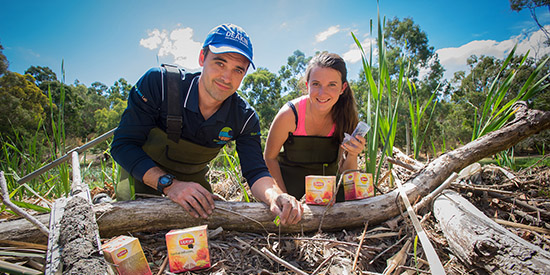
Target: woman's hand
point(354, 146)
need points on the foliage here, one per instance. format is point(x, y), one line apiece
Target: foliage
point(3, 62)
point(417, 112)
point(108, 118)
point(380, 90)
point(41, 74)
point(292, 75)
point(23, 106)
point(262, 89)
point(532, 5)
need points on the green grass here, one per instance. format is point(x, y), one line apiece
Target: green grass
point(522, 162)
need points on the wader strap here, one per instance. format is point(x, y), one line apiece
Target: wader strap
point(174, 89)
point(291, 105)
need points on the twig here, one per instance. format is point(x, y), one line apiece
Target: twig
point(402, 164)
point(476, 188)
point(328, 240)
point(253, 248)
point(520, 203)
point(323, 263)
point(236, 213)
point(387, 249)
point(359, 247)
point(163, 266)
point(414, 269)
point(523, 226)
point(16, 209)
point(283, 262)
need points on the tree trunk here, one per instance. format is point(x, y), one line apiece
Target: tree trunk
point(158, 214)
point(481, 242)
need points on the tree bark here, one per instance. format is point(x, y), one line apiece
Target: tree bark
point(159, 214)
point(481, 242)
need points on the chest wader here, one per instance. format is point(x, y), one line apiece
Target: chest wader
point(308, 155)
point(181, 158)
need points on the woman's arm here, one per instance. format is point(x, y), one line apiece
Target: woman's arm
point(283, 123)
point(352, 149)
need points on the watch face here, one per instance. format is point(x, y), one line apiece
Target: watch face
point(164, 180)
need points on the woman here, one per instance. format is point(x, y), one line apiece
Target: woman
point(311, 129)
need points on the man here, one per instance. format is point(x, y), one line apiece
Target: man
point(166, 139)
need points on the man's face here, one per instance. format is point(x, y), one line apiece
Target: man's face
point(222, 74)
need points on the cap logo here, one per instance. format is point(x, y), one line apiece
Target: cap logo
point(237, 37)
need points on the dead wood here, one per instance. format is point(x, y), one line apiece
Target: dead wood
point(481, 242)
point(158, 214)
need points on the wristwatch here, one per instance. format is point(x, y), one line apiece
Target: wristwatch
point(164, 181)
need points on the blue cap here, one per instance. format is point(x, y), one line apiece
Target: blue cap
point(229, 38)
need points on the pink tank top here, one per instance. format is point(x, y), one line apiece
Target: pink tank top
point(301, 127)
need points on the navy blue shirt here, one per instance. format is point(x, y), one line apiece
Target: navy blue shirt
point(235, 120)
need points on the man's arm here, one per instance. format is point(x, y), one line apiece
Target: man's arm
point(139, 117)
point(282, 204)
point(194, 198)
point(263, 187)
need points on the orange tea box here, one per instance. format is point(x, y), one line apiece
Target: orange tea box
point(320, 189)
point(358, 185)
point(126, 256)
point(188, 249)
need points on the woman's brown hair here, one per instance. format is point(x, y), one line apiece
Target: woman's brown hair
point(344, 112)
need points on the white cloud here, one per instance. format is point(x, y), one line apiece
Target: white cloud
point(177, 43)
point(322, 36)
point(353, 55)
point(454, 59)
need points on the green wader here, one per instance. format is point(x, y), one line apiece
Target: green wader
point(308, 155)
point(184, 159)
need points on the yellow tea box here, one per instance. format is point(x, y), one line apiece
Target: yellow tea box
point(320, 189)
point(126, 256)
point(358, 185)
point(188, 249)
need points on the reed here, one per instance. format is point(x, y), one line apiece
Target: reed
point(381, 103)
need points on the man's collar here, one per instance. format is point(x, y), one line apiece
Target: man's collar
point(192, 102)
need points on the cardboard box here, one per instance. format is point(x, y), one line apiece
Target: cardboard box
point(126, 256)
point(320, 189)
point(358, 185)
point(188, 249)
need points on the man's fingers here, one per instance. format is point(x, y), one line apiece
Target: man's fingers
point(189, 209)
point(201, 204)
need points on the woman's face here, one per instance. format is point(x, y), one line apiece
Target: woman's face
point(324, 87)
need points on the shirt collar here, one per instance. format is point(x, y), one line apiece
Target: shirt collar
point(191, 101)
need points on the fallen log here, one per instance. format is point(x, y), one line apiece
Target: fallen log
point(481, 242)
point(160, 214)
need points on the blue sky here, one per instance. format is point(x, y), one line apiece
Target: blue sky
point(106, 40)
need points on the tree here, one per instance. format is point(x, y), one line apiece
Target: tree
point(470, 90)
point(518, 5)
point(108, 118)
point(120, 89)
point(41, 74)
point(262, 89)
point(23, 105)
point(292, 73)
point(3, 62)
point(407, 45)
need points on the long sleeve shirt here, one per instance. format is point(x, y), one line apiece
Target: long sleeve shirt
point(235, 120)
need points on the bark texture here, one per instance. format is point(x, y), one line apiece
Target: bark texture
point(481, 242)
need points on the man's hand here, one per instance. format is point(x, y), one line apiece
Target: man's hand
point(194, 198)
point(288, 208)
